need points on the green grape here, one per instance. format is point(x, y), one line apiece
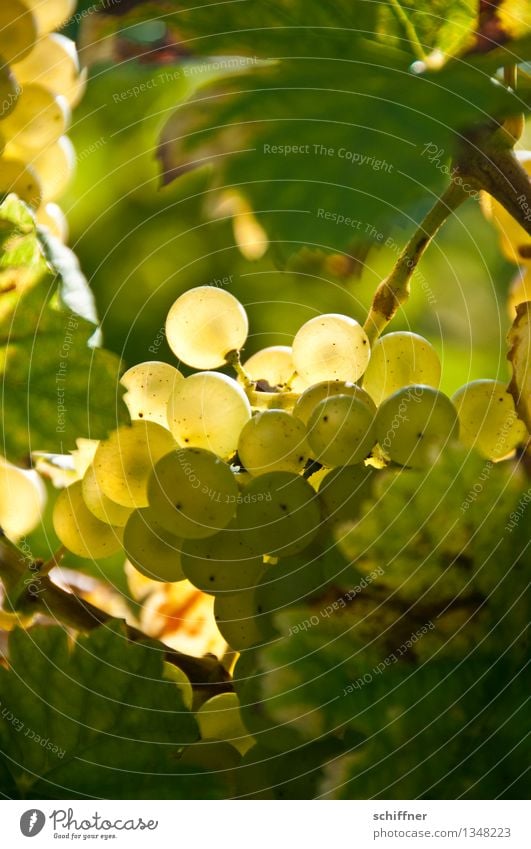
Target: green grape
point(173, 673)
point(22, 500)
point(400, 359)
point(414, 424)
point(275, 366)
point(102, 507)
point(238, 619)
point(293, 581)
point(210, 756)
point(124, 461)
point(51, 14)
point(273, 441)
point(9, 90)
point(219, 719)
point(54, 167)
point(18, 30)
point(309, 399)
point(152, 550)
point(53, 64)
point(149, 385)
point(488, 419)
point(331, 347)
point(38, 119)
point(221, 563)
point(52, 217)
point(342, 492)
point(19, 178)
point(204, 325)
point(208, 410)
point(284, 400)
point(193, 493)
point(79, 530)
point(341, 431)
point(279, 514)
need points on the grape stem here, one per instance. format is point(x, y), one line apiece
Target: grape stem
point(394, 290)
point(30, 592)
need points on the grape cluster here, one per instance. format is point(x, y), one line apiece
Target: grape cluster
point(233, 483)
point(40, 82)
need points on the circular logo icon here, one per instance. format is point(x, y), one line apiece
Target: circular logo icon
point(32, 822)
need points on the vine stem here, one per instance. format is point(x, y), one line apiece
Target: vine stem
point(394, 290)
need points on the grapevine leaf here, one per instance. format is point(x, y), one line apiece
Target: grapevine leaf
point(92, 719)
point(520, 358)
point(56, 383)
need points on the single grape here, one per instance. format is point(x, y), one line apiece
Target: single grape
point(124, 461)
point(414, 424)
point(193, 493)
point(53, 63)
point(342, 492)
point(102, 507)
point(219, 719)
point(22, 500)
point(38, 119)
point(341, 431)
point(52, 217)
point(488, 419)
point(221, 563)
point(149, 385)
point(274, 366)
point(79, 530)
point(331, 347)
point(204, 325)
point(51, 14)
point(208, 410)
point(273, 441)
point(278, 513)
point(18, 31)
point(293, 581)
point(54, 167)
point(309, 399)
point(19, 178)
point(152, 550)
point(238, 619)
point(174, 674)
point(400, 359)
point(9, 90)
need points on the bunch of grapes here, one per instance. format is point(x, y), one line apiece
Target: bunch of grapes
point(40, 82)
point(233, 483)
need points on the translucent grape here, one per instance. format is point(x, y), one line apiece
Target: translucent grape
point(54, 167)
point(309, 399)
point(22, 500)
point(52, 217)
point(153, 550)
point(21, 179)
point(204, 325)
point(238, 619)
point(173, 673)
point(273, 441)
point(38, 119)
point(149, 386)
point(9, 90)
point(342, 492)
point(400, 359)
point(79, 530)
point(53, 64)
point(275, 366)
point(208, 410)
point(331, 347)
point(124, 461)
point(219, 719)
point(488, 419)
point(278, 513)
point(18, 30)
point(272, 400)
point(193, 493)
point(51, 14)
point(341, 431)
point(222, 563)
point(414, 424)
point(102, 507)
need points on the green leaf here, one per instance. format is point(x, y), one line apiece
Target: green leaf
point(94, 718)
point(56, 384)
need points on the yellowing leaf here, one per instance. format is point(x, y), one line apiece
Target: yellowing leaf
point(520, 358)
